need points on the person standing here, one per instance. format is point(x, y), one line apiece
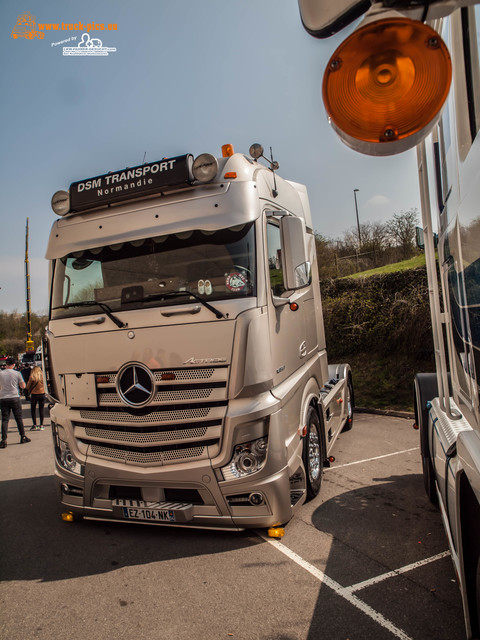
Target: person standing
point(36, 391)
point(11, 383)
point(25, 371)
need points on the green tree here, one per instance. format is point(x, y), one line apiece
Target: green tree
point(401, 229)
point(13, 331)
point(325, 256)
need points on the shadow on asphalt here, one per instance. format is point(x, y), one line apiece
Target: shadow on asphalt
point(37, 545)
point(380, 528)
point(391, 521)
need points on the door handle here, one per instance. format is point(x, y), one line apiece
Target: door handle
point(182, 310)
point(97, 320)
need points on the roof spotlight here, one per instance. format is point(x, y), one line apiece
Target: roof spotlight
point(205, 167)
point(61, 202)
point(256, 150)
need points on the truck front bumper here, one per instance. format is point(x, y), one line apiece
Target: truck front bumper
point(202, 502)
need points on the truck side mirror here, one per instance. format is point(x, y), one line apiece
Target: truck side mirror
point(297, 267)
point(419, 236)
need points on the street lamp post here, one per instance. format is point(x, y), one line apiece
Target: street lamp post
point(356, 211)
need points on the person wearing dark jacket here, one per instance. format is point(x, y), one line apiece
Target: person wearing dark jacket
point(11, 383)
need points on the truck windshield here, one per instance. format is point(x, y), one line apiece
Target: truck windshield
point(213, 265)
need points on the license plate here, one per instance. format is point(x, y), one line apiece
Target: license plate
point(152, 515)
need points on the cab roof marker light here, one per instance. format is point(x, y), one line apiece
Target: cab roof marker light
point(386, 84)
point(227, 150)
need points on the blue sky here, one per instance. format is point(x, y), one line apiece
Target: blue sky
point(187, 76)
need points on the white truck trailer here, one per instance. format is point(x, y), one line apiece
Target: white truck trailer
point(385, 90)
point(185, 350)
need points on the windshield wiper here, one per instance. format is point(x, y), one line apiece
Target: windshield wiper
point(89, 303)
point(175, 294)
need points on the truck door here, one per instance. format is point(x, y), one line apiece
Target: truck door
point(287, 328)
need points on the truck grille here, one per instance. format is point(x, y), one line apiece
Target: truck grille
point(149, 457)
point(184, 420)
point(155, 416)
point(145, 438)
point(172, 395)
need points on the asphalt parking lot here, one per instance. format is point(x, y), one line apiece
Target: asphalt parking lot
point(368, 558)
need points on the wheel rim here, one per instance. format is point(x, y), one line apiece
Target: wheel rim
point(313, 454)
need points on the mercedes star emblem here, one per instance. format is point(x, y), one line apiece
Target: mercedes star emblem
point(135, 384)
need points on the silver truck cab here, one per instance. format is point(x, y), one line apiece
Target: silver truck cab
point(185, 351)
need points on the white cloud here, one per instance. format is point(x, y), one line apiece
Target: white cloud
point(379, 201)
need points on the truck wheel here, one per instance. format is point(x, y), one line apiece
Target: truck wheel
point(425, 388)
point(350, 405)
point(470, 531)
point(477, 594)
point(428, 479)
point(313, 454)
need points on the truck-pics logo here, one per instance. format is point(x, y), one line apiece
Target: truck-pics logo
point(26, 27)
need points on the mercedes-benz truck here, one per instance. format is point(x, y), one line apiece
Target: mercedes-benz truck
point(185, 349)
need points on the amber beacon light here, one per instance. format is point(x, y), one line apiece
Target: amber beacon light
point(385, 85)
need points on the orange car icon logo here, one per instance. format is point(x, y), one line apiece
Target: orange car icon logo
point(26, 27)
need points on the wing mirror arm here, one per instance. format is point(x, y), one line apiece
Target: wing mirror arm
point(280, 302)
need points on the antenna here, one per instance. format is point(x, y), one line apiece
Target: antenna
point(144, 156)
point(29, 344)
point(273, 166)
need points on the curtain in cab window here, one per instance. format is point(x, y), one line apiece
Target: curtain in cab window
point(274, 248)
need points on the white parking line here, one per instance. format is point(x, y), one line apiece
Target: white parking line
point(348, 592)
point(387, 455)
point(395, 572)
point(337, 588)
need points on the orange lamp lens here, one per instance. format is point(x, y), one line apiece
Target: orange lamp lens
point(227, 150)
point(387, 81)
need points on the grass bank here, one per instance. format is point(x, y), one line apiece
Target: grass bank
point(412, 263)
point(380, 324)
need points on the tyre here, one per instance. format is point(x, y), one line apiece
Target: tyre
point(425, 388)
point(476, 616)
point(313, 454)
point(470, 531)
point(350, 405)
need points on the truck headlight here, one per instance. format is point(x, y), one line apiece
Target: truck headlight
point(248, 458)
point(66, 459)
